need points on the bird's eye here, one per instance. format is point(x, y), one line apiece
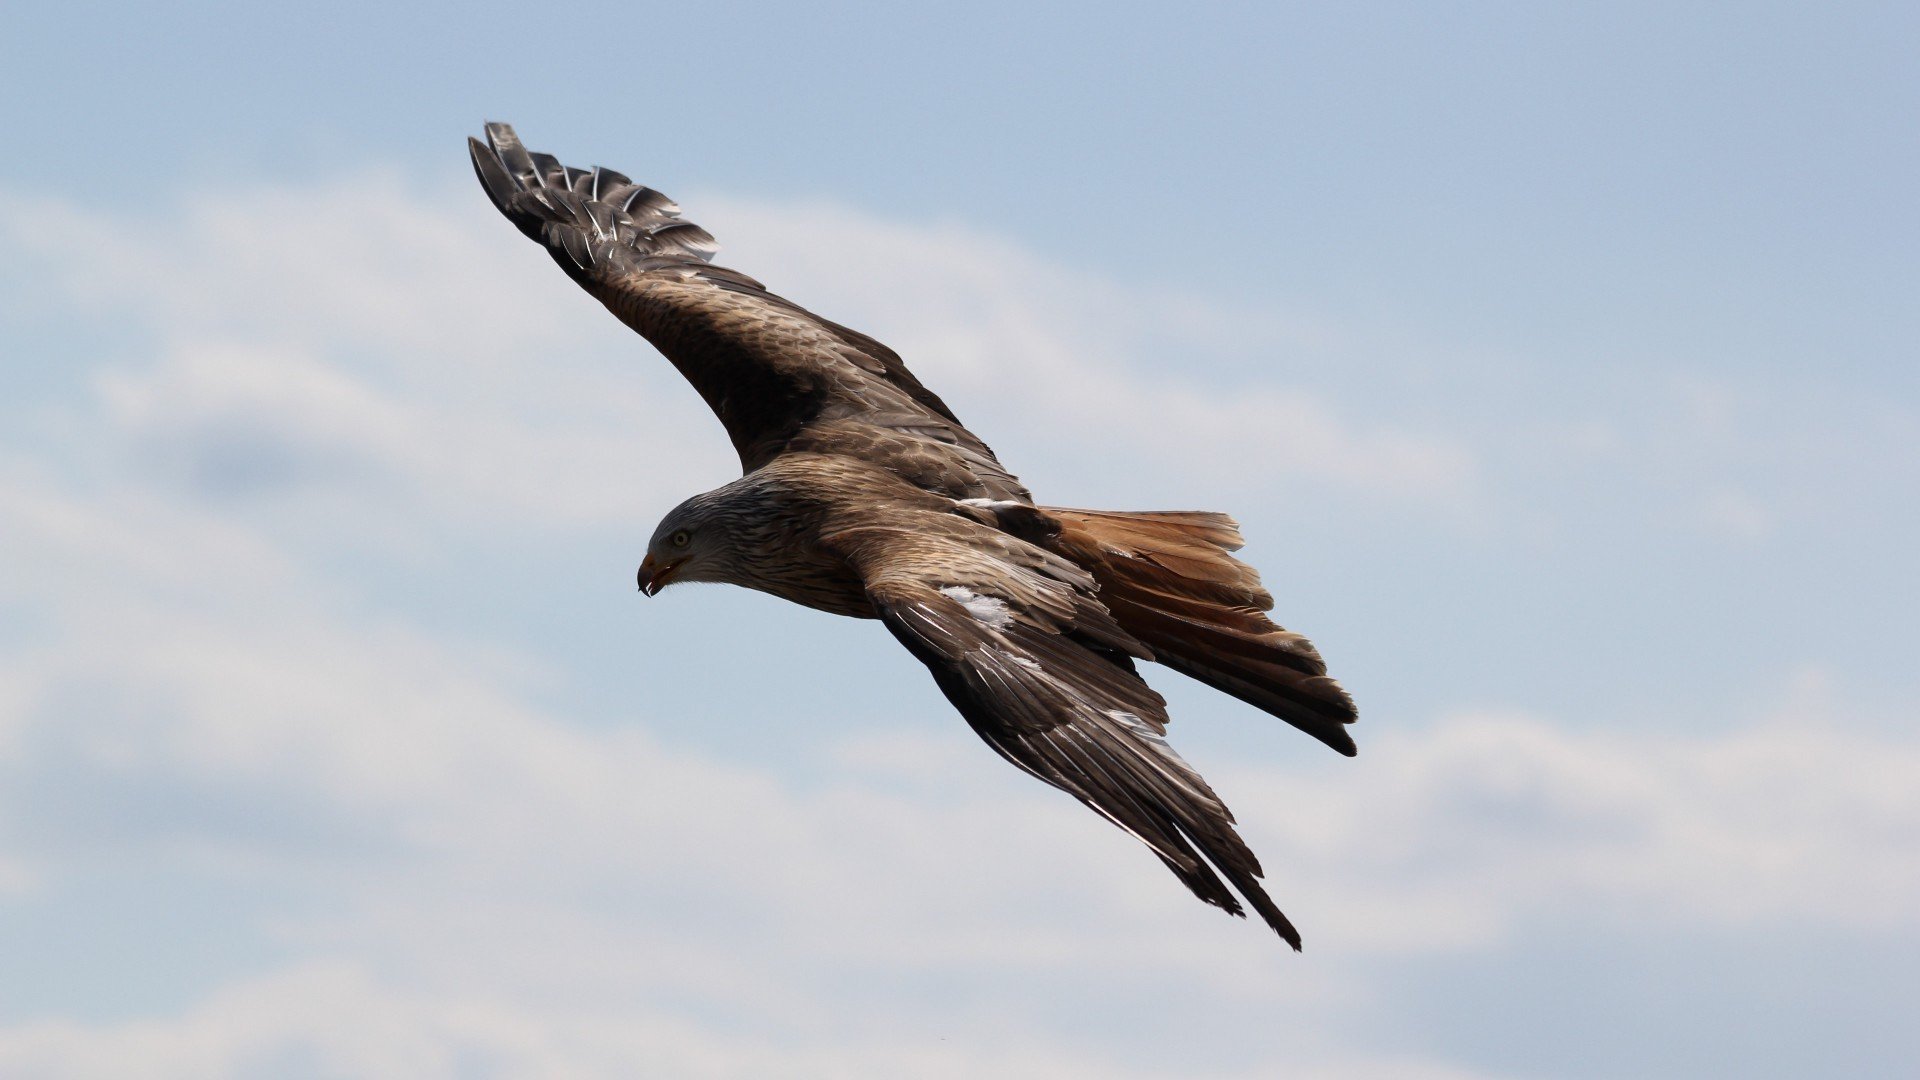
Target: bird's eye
point(681, 538)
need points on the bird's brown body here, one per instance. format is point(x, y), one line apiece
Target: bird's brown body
point(863, 495)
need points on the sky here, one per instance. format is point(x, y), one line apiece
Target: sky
point(1557, 360)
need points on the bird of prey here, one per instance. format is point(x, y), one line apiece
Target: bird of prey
point(864, 495)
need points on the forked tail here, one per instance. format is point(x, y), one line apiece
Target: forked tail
point(1169, 579)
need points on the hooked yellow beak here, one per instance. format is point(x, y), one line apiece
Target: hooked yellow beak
point(655, 575)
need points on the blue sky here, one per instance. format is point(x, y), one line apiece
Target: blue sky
point(1558, 363)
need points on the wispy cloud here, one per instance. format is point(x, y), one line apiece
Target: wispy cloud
point(306, 329)
point(202, 689)
point(468, 855)
point(1097, 373)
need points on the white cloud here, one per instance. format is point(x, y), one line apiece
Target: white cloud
point(1079, 367)
point(366, 325)
point(506, 888)
point(501, 886)
point(370, 261)
point(333, 1019)
point(238, 421)
point(478, 858)
point(361, 340)
point(1458, 836)
point(444, 356)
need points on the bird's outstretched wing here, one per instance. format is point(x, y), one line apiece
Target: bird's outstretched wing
point(779, 377)
point(1018, 641)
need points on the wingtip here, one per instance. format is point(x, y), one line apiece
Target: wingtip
point(1275, 919)
point(1283, 926)
point(1276, 922)
point(495, 180)
point(500, 134)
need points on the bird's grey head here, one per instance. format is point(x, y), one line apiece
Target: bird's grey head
point(719, 536)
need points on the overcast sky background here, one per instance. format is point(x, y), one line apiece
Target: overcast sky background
point(1558, 362)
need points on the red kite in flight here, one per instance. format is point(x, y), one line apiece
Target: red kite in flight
point(864, 495)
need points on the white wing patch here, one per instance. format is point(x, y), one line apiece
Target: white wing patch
point(1136, 725)
point(988, 609)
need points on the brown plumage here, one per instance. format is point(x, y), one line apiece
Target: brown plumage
point(863, 495)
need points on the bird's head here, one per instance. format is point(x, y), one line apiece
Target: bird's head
point(739, 534)
point(692, 543)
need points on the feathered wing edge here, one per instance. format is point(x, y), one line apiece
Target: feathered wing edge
point(1053, 690)
point(613, 237)
point(1109, 753)
point(587, 219)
